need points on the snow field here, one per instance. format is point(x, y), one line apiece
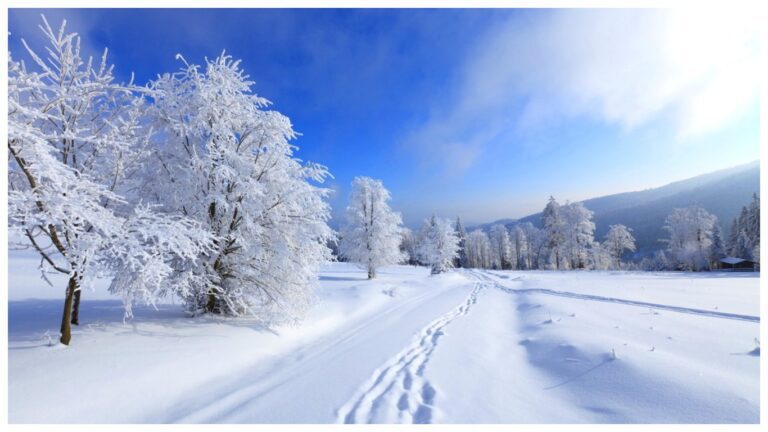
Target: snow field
point(625, 363)
point(468, 346)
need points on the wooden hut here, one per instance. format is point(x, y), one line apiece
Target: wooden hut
point(737, 264)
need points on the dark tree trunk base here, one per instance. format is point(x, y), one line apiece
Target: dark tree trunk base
point(66, 319)
point(210, 305)
point(76, 307)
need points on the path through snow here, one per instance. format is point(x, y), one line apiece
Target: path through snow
point(398, 392)
point(540, 369)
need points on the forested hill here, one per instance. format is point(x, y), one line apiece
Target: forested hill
point(722, 193)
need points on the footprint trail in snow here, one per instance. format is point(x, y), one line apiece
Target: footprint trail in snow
point(398, 392)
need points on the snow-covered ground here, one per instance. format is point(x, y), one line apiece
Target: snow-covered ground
point(463, 347)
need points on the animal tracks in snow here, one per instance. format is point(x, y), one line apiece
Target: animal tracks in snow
point(398, 392)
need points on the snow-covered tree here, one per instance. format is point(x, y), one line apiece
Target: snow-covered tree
point(438, 244)
point(756, 252)
point(600, 258)
point(579, 232)
point(742, 246)
point(733, 236)
point(554, 231)
point(226, 161)
point(751, 223)
point(478, 249)
point(409, 246)
point(461, 261)
point(690, 237)
point(76, 142)
point(373, 232)
point(753, 227)
point(744, 238)
point(533, 246)
point(519, 246)
point(501, 247)
point(657, 262)
point(717, 249)
point(618, 240)
point(512, 262)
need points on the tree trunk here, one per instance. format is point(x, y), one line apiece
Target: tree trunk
point(371, 272)
point(76, 307)
point(211, 305)
point(66, 319)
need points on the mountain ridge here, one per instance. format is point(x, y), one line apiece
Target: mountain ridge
point(722, 193)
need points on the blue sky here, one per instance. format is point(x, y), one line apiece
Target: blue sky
point(478, 113)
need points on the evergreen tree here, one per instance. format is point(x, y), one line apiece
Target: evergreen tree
point(461, 261)
point(753, 227)
point(717, 249)
point(733, 236)
point(744, 236)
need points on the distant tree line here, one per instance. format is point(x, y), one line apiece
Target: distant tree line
point(373, 235)
point(696, 240)
point(565, 241)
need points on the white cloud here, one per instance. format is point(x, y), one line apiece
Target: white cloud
point(692, 71)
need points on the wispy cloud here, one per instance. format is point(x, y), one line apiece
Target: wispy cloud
point(689, 71)
point(27, 22)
